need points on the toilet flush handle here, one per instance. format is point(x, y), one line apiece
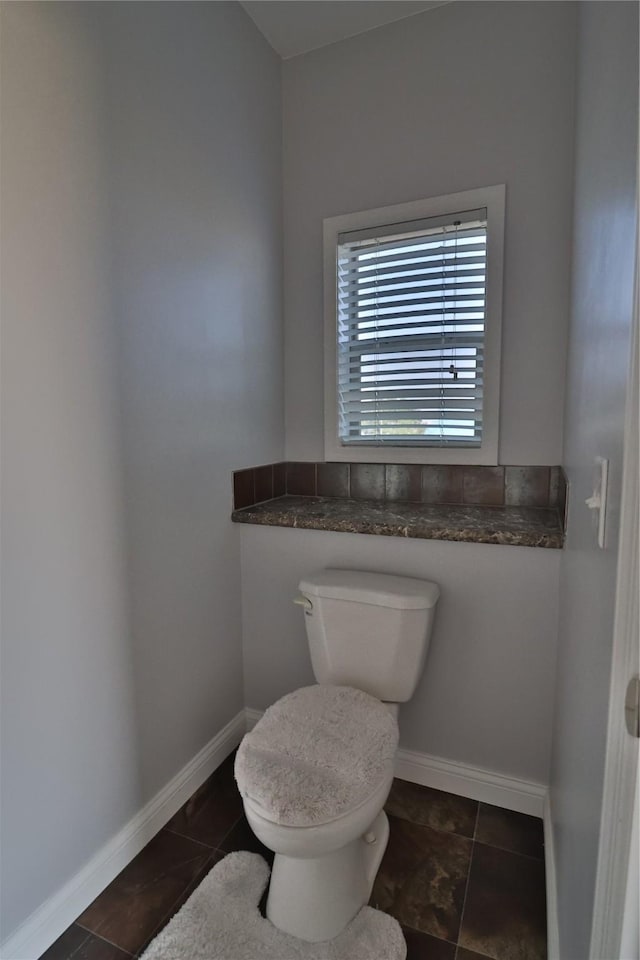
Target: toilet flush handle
point(304, 602)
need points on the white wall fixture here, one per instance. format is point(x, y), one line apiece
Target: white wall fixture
point(597, 502)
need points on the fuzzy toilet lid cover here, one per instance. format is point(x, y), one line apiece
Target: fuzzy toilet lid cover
point(316, 754)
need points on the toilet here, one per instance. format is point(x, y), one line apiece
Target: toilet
point(316, 770)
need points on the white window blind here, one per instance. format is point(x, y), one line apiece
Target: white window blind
point(410, 332)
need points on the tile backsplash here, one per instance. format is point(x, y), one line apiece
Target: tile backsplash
point(486, 486)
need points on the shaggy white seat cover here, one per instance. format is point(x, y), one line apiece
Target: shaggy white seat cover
point(316, 754)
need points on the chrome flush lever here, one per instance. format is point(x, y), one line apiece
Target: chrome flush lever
point(304, 602)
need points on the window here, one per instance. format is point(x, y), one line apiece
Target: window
point(413, 298)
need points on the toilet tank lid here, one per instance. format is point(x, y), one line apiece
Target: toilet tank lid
point(379, 589)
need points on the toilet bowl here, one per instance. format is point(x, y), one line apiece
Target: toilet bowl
point(321, 838)
point(322, 875)
point(315, 772)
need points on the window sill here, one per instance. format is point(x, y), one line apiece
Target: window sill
point(512, 526)
point(484, 456)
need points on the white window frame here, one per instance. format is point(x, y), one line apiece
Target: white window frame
point(493, 199)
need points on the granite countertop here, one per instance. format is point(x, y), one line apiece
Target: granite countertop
point(516, 526)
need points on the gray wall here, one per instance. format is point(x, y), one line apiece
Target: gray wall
point(486, 696)
point(69, 751)
point(604, 257)
point(196, 192)
point(141, 309)
point(466, 95)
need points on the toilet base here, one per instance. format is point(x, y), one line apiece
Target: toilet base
point(315, 898)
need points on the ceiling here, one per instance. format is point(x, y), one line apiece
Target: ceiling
point(297, 26)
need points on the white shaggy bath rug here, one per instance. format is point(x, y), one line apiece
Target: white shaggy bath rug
point(221, 921)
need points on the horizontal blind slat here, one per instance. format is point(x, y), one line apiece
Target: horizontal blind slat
point(393, 383)
point(407, 270)
point(348, 265)
point(359, 324)
point(368, 303)
point(417, 291)
point(349, 259)
point(414, 279)
point(427, 376)
point(414, 397)
point(421, 412)
point(401, 340)
point(367, 364)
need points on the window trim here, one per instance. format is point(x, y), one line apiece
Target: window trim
point(493, 198)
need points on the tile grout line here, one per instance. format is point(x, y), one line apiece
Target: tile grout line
point(448, 833)
point(423, 933)
point(183, 836)
point(466, 888)
point(232, 827)
point(80, 945)
point(192, 886)
point(92, 933)
point(516, 853)
point(475, 826)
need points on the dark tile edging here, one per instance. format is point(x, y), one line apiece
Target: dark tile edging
point(516, 486)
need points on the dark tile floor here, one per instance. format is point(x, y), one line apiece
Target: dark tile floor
point(465, 879)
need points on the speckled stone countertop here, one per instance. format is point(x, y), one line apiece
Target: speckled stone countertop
point(515, 526)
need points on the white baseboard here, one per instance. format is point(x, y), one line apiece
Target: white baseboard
point(522, 796)
point(511, 793)
point(251, 717)
point(45, 925)
point(553, 930)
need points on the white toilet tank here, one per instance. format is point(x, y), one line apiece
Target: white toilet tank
point(369, 630)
